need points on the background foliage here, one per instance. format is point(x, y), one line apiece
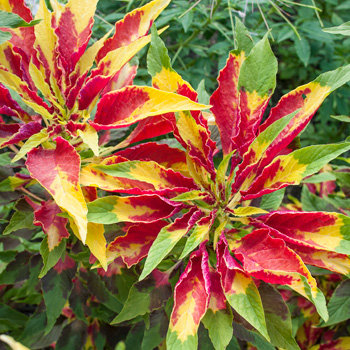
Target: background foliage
point(200, 35)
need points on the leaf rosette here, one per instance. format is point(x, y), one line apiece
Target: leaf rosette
point(209, 217)
point(60, 79)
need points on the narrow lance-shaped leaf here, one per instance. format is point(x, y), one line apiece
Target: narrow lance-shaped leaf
point(33, 141)
point(306, 99)
point(196, 139)
point(152, 151)
point(143, 208)
point(57, 170)
point(327, 231)
point(257, 81)
point(103, 74)
point(135, 244)
point(272, 261)
point(199, 234)
point(132, 104)
point(93, 177)
point(164, 77)
point(71, 47)
point(191, 299)
point(149, 172)
point(240, 289)
point(225, 101)
point(14, 133)
point(133, 26)
point(167, 239)
point(325, 259)
point(249, 167)
point(292, 168)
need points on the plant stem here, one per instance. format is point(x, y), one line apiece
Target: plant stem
point(32, 194)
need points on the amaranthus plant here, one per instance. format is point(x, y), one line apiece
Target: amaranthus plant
point(61, 80)
point(185, 211)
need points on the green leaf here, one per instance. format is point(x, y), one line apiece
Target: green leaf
point(243, 38)
point(318, 155)
point(203, 96)
point(50, 258)
point(339, 305)
point(302, 48)
point(343, 29)
point(273, 200)
point(6, 257)
point(157, 56)
point(278, 318)
point(258, 71)
point(73, 336)
point(4, 36)
point(11, 318)
point(98, 288)
point(342, 177)
point(249, 306)
point(17, 270)
point(133, 340)
point(322, 177)
point(342, 118)
point(189, 196)
point(144, 296)
point(162, 246)
point(311, 202)
point(219, 326)
point(11, 20)
point(222, 169)
point(19, 220)
point(156, 332)
point(198, 234)
point(273, 130)
point(186, 20)
point(33, 141)
point(5, 159)
point(56, 287)
point(335, 78)
point(252, 337)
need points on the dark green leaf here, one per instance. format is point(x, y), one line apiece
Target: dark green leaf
point(339, 305)
point(56, 286)
point(145, 296)
point(302, 48)
point(73, 336)
point(278, 319)
point(156, 332)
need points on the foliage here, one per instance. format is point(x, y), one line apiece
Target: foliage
point(151, 242)
point(201, 33)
